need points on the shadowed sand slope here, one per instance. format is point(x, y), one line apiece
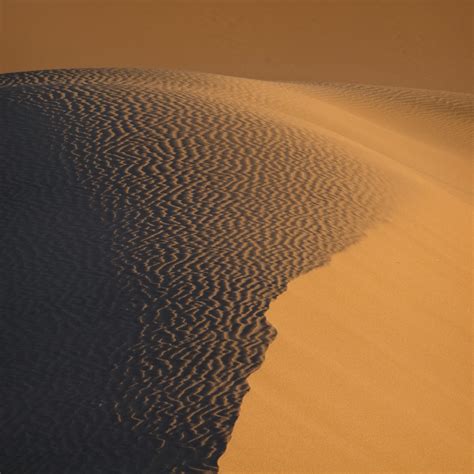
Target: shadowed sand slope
point(149, 219)
point(372, 367)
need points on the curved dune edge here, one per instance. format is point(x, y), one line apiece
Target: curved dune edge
point(371, 369)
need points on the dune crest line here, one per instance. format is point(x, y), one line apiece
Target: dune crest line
point(150, 217)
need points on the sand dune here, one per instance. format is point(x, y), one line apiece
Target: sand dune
point(371, 370)
point(151, 217)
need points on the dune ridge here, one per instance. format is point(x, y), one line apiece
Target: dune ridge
point(151, 217)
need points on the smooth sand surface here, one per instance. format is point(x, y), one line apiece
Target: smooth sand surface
point(409, 43)
point(371, 368)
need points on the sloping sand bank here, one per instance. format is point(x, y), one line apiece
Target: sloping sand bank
point(150, 217)
point(371, 368)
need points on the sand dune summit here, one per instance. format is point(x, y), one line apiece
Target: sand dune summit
point(149, 219)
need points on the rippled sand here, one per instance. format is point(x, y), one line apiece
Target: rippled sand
point(151, 217)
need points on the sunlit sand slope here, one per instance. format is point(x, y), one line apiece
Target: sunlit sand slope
point(148, 220)
point(372, 367)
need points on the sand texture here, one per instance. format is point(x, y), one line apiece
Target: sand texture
point(371, 370)
point(150, 217)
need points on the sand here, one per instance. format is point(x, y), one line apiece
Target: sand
point(371, 369)
point(150, 218)
point(406, 43)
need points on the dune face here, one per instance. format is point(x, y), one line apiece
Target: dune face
point(372, 367)
point(149, 219)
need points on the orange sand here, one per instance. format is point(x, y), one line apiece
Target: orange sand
point(371, 370)
point(409, 43)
